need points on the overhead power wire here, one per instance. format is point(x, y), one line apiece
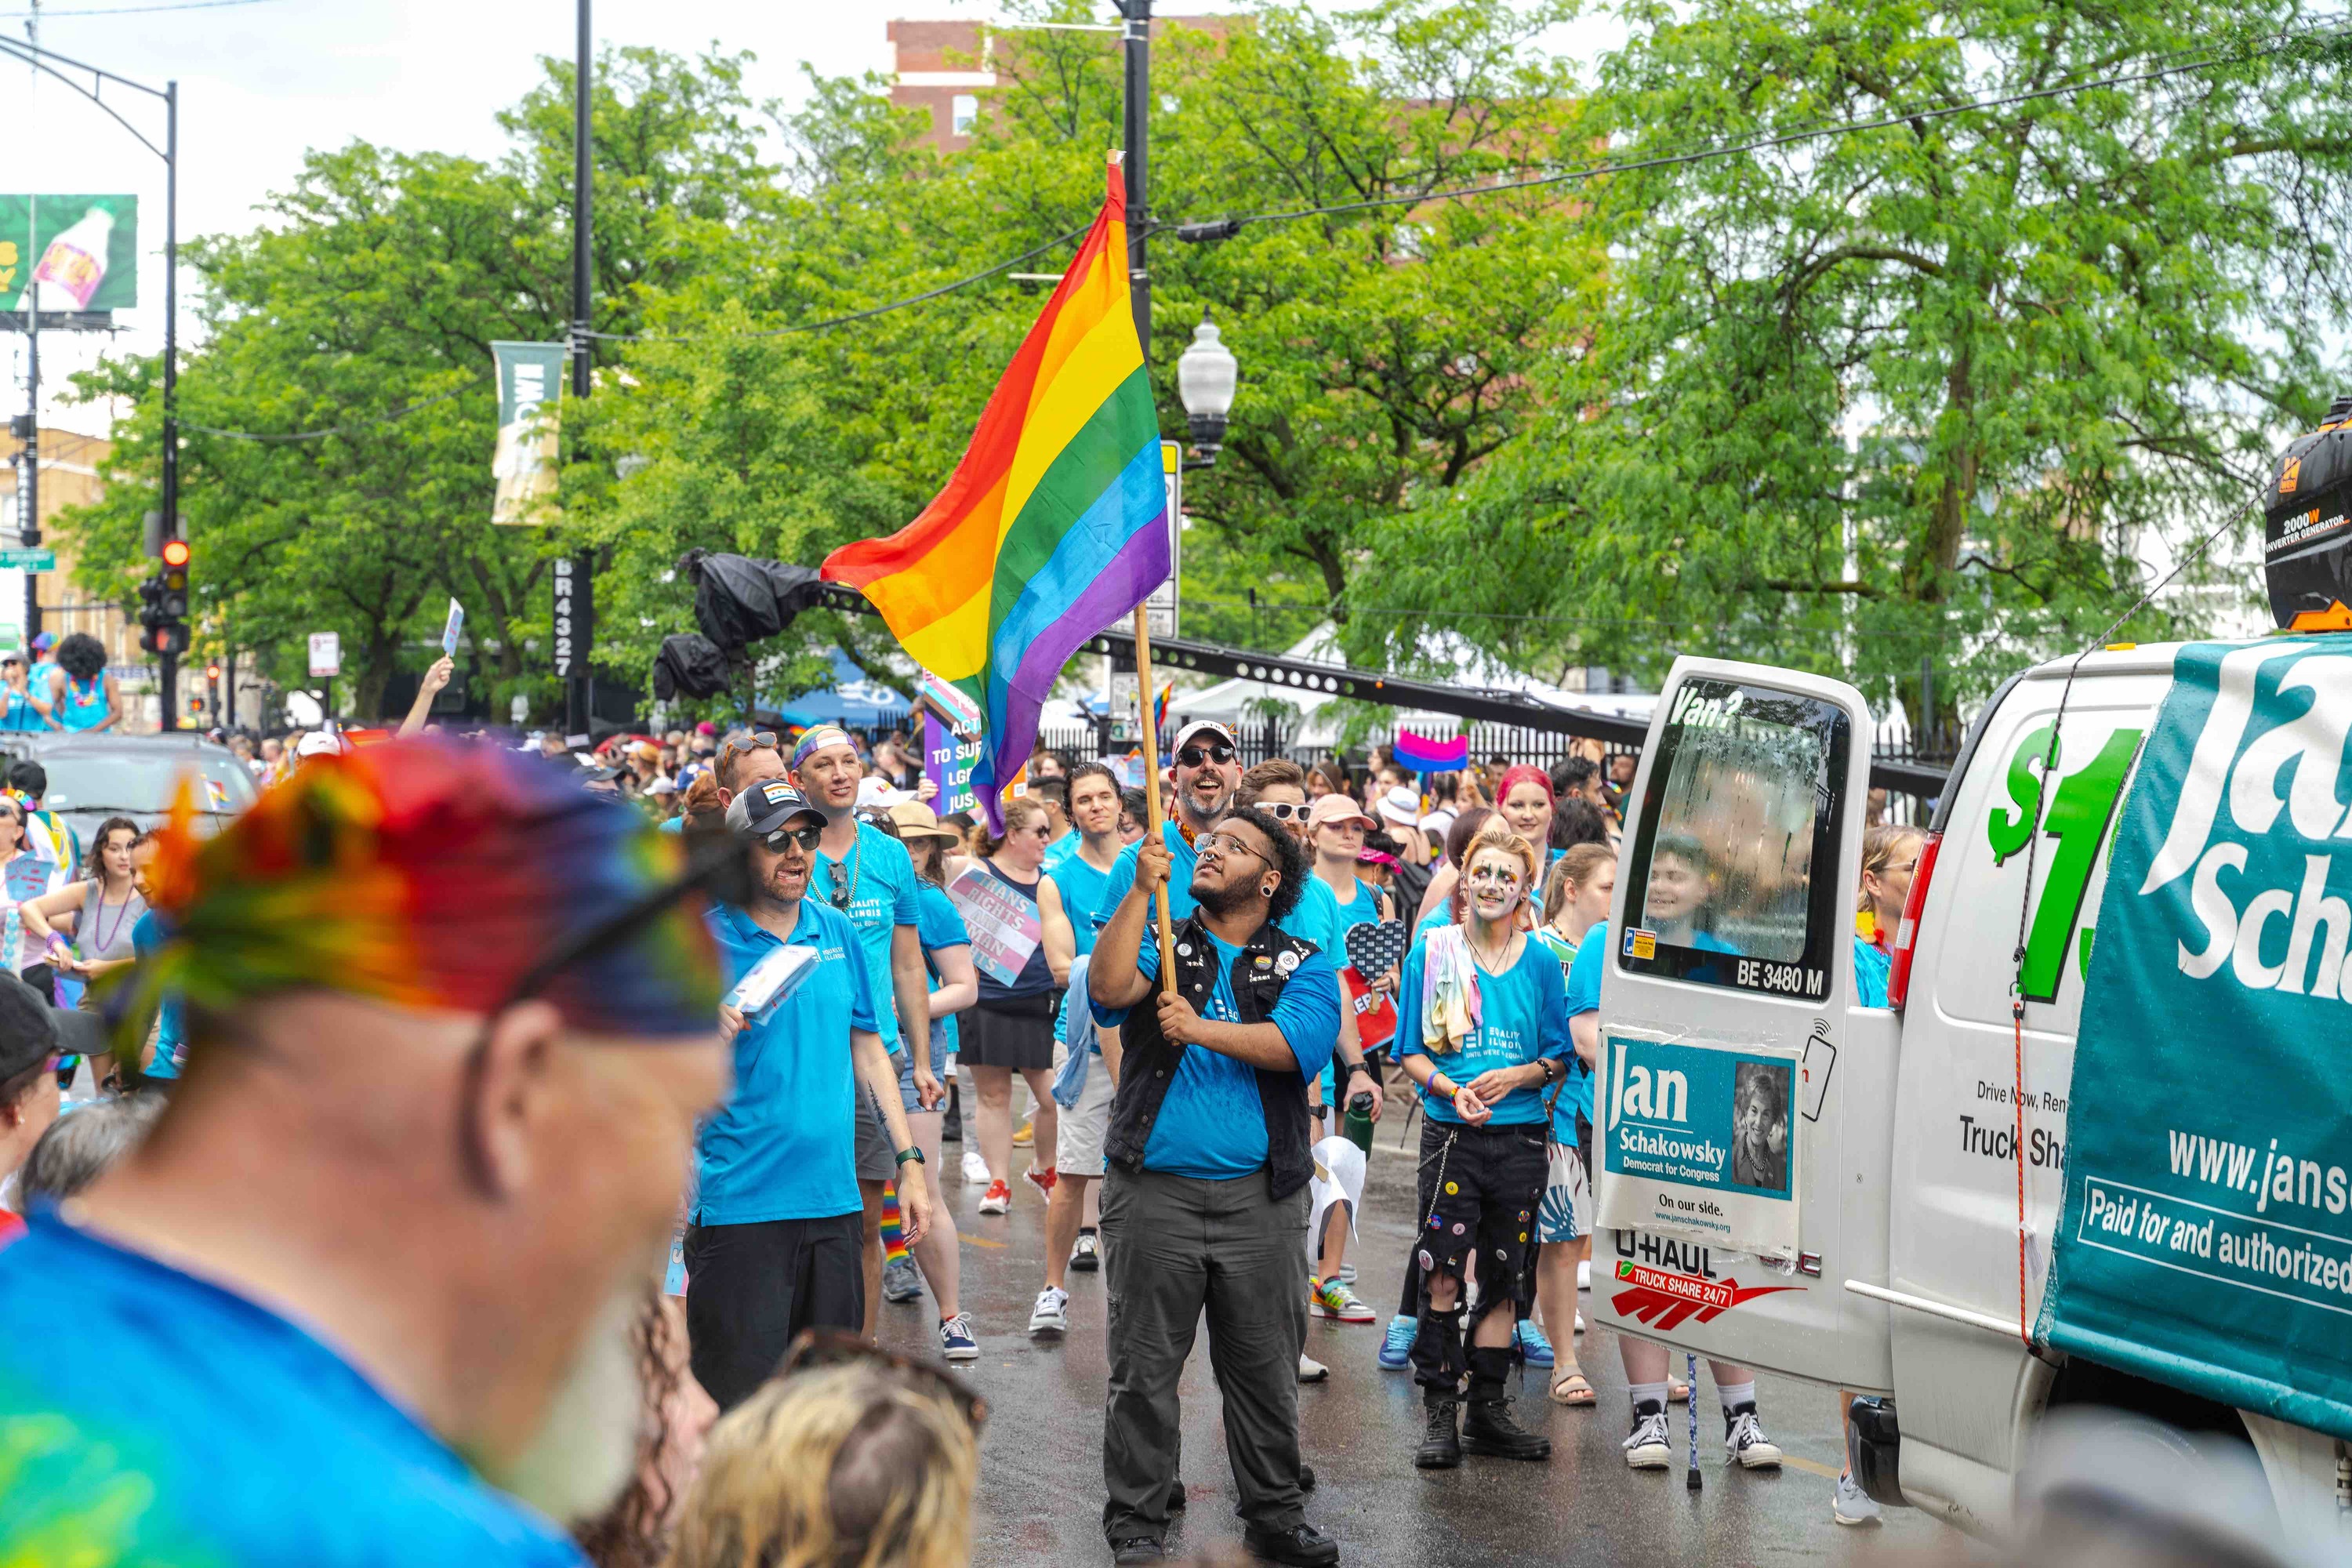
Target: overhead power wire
point(981, 276)
point(1225, 227)
point(131, 10)
point(345, 429)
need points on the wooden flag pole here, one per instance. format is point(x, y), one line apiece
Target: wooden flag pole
point(1151, 790)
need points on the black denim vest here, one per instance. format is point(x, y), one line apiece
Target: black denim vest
point(1148, 1059)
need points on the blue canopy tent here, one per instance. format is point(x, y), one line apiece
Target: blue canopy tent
point(853, 701)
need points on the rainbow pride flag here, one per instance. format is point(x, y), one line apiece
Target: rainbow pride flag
point(1160, 708)
point(1053, 527)
point(1425, 756)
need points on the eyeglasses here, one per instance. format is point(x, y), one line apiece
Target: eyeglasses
point(1224, 844)
point(1216, 752)
point(818, 1349)
point(806, 837)
point(1283, 811)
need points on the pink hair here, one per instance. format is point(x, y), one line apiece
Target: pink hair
point(1522, 773)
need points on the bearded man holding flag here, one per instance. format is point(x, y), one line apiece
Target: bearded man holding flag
point(1054, 526)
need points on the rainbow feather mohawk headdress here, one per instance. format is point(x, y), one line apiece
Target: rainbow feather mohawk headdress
point(430, 874)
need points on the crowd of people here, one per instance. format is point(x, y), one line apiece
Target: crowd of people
point(388, 1086)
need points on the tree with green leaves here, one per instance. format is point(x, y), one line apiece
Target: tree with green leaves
point(365, 308)
point(1943, 389)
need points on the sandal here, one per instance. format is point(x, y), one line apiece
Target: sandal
point(1677, 1390)
point(1570, 1388)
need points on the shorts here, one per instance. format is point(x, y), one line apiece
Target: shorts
point(1078, 1145)
point(1015, 1031)
point(876, 1160)
point(1479, 1190)
point(909, 1100)
point(1566, 1209)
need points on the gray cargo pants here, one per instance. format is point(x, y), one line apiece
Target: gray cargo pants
point(1173, 1246)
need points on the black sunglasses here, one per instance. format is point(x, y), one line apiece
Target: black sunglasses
point(818, 1349)
point(1215, 752)
point(806, 837)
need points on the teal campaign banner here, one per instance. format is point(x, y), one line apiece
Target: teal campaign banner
point(1699, 1139)
point(2203, 1241)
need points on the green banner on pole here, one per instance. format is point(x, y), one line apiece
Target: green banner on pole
point(2205, 1241)
point(530, 391)
point(83, 250)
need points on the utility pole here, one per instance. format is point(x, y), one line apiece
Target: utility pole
point(28, 488)
point(576, 687)
point(1138, 80)
point(168, 661)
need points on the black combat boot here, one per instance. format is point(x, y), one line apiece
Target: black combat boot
point(1487, 1426)
point(1441, 1443)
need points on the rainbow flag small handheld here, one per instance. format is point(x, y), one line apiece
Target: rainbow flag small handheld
point(1424, 755)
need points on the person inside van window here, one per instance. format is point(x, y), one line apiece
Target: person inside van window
point(1681, 886)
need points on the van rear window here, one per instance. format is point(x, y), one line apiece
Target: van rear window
point(1743, 805)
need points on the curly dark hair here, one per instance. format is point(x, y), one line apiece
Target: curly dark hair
point(81, 656)
point(1289, 859)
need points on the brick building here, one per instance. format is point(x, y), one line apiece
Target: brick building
point(947, 67)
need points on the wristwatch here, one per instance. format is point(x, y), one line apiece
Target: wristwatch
point(905, 1155)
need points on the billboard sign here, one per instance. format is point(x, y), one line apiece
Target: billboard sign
point(82, 251)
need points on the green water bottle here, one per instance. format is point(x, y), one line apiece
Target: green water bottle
point(1357, 1123)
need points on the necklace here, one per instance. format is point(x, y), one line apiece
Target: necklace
point(1491, 963)
point(97, 921)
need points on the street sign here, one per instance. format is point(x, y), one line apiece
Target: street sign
point(28, 560)
point(12, 635)
point(326, 653)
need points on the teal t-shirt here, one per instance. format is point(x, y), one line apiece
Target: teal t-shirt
point(780, 1148)
point(1312, 919)
point(216, 1432)
point(1523, 1014)
point(1082, 894)
point(1211, 1122)
point(882, 900)
point(941, 924)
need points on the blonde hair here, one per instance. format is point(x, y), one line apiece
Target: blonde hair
point(1574, 868)
point(1017, 810)
point(1496, 833)
point(1880, 845)
point(838, 1468)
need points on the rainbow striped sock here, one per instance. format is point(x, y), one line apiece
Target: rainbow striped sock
point(894, 1248)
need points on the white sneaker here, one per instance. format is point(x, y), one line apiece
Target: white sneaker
point(1744, 1440)
point(1310, 1369)
point(1580, 1322)
point(1647, 1447)
point(1051, 1315)
point(1852, 1505)
point(1584, 1275)
point(975, 1169)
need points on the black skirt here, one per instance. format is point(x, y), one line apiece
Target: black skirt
point(1014, 1032)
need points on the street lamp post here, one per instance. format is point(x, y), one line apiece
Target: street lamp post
point(41, 59)
point(576, 690)
point(1206, 375)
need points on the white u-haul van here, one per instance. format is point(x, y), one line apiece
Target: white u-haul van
point(1898, 1267)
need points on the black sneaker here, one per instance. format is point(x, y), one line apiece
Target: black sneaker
point(1136, 1549)
point(1488, 1427)
point(1441, 1444)
point(1302, 1544)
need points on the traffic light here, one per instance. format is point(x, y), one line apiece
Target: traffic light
point(164, 601)
point(212, 673)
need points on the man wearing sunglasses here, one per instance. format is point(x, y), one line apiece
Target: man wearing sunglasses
point(778, 1243)
point(451, 1026)
point(1204, 1204)
point(868, 875)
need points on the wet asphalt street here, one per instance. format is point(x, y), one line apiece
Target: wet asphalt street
point(1041, 1460)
